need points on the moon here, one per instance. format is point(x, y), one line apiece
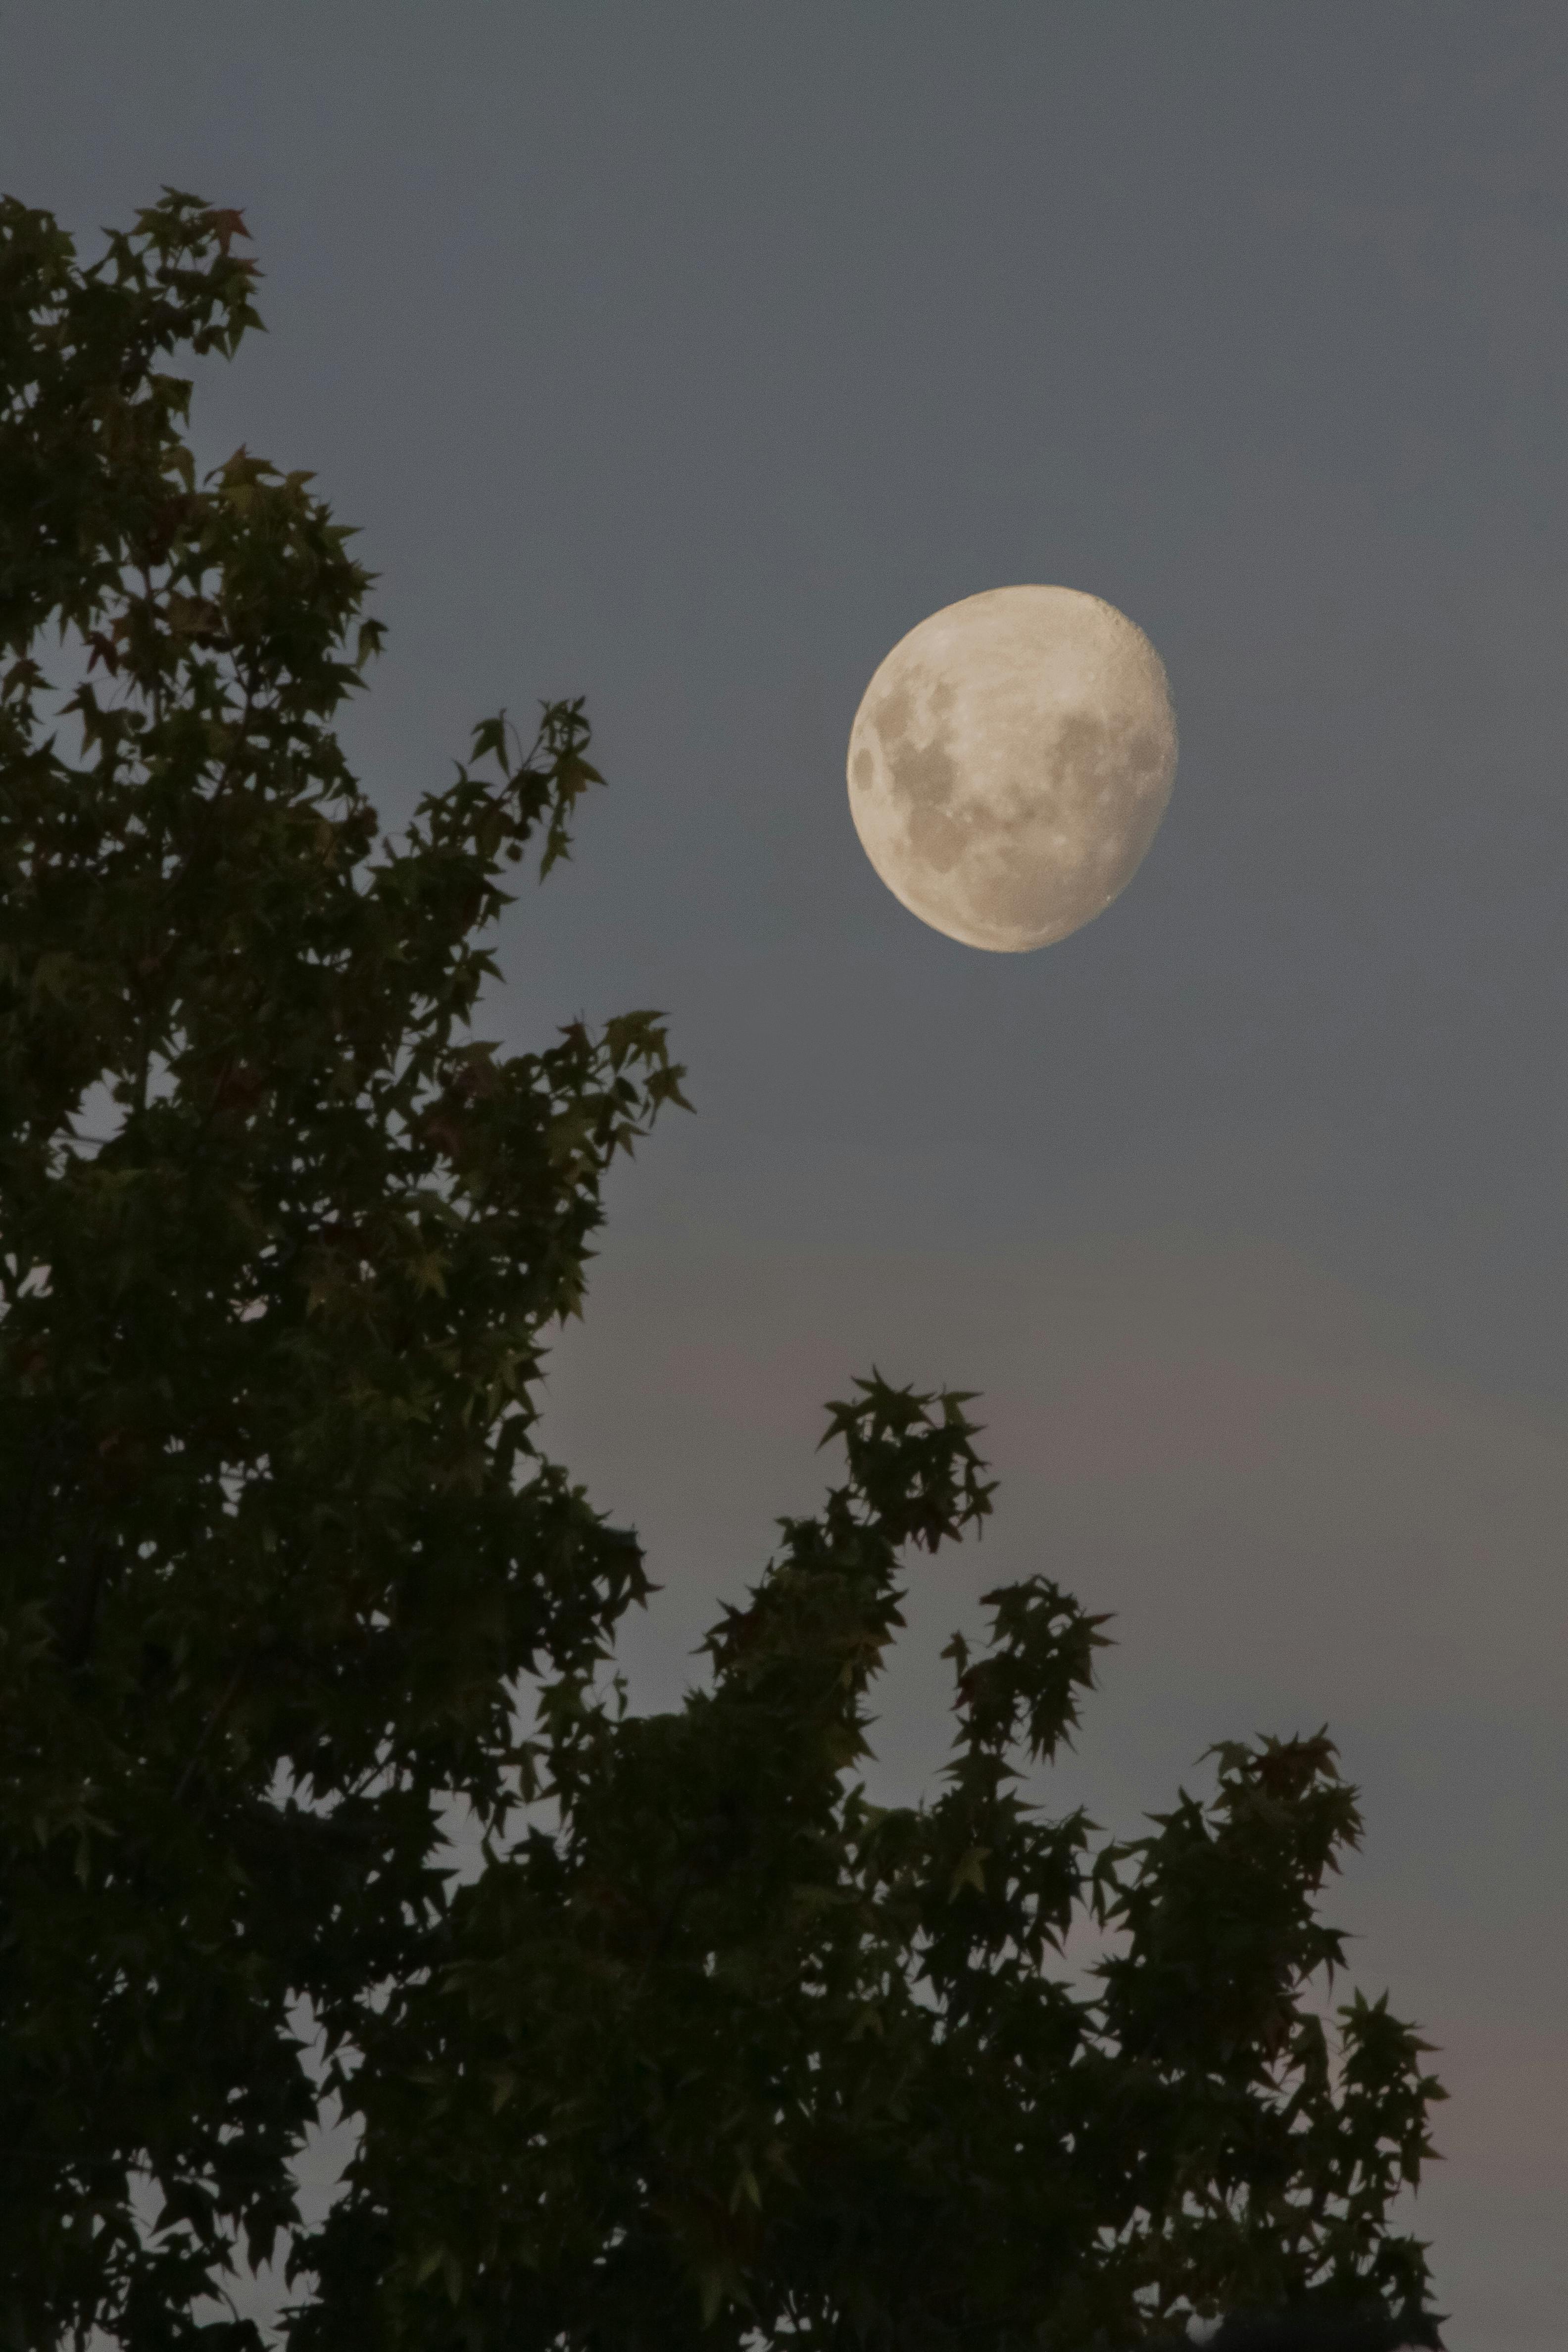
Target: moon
point(1010, 762)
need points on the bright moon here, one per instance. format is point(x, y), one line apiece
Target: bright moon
point(1010, 762)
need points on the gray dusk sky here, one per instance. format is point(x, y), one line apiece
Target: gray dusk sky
point(685, 356)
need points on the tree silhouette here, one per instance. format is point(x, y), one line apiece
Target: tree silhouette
point(711, 2046)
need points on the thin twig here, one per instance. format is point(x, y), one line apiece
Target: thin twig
point(214, 1719)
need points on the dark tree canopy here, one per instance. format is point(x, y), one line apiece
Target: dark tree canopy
point(711, 2049)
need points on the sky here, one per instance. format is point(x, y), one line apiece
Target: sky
point(686, 357)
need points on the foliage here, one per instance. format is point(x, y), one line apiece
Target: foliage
point(731, 2026)
point(711, 2046)
point(270, 1568)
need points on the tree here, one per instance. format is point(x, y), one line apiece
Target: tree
point(270, 1568)
point(730, 2026)
point(711, 2046)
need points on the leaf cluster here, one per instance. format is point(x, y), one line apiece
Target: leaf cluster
point(279, 1245)
point(731, 2047)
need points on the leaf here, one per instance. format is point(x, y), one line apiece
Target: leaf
point(970, 1872)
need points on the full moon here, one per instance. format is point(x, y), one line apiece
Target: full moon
point(1010, 762)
